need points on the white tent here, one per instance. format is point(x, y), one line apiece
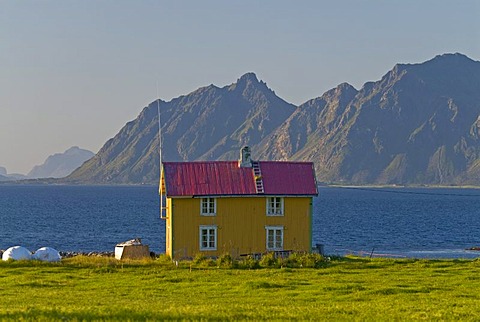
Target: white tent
point(17, 253)
point(47, 254)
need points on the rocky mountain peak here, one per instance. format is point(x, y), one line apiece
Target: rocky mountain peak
point(198, 92)
point(249, 82)
point(451, 58)
point(446, 64)
point(75, 150)
point(441, 61)
point(248, 77)
point(344, 89)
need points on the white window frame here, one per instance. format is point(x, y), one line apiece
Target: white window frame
point(208, 230)
point(275, 206)
point(274, 245)
point(207, 202)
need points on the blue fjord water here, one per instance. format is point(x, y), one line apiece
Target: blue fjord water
point(400, 222)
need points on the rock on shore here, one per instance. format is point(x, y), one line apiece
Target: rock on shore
point(68, 254)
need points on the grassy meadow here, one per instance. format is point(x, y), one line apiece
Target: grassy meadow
point(84, 288)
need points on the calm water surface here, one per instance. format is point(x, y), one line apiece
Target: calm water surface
point(79, 218)
point(434, 223)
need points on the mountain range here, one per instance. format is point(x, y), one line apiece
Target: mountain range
point(4, 176)
point(60, 165)
point(418, 124)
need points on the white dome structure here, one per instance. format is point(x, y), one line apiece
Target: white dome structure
point(47, 254)
point(17, 253)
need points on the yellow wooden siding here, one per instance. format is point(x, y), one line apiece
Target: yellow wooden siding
point(240, 225)
point(168, 228)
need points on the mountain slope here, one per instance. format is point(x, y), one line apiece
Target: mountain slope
point(414, 126)
point(209, 123)
point(310, 128)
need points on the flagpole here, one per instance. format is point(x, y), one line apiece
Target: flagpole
point(160, 152)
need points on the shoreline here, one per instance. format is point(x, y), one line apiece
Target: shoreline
point(474, 253)
point(69, 254)
point(54, 182)
point(394, 186)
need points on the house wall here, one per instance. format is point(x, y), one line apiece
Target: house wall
point(240, 225)
point(168, 228)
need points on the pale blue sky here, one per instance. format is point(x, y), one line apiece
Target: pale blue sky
point(74, 72)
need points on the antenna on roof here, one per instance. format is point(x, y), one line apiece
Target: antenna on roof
point(160, 166)
point(159, 128)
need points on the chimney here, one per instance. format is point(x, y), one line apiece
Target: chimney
point(245, 158)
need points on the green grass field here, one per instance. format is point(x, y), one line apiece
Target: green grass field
point(342, 289)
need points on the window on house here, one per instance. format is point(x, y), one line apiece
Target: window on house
point(274, 237)
point(274, 206)
point(208, 207)
point(208, 237)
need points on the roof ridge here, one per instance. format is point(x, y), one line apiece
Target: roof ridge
point(202, 161)
point(236, 161)
point(285, 161)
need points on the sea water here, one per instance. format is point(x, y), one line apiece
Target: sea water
point(79, 218)
point(398, 222)
point(391, 222)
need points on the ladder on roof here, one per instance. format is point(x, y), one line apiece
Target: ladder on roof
point(163, 203)
point(258, 176)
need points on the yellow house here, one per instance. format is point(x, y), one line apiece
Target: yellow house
point(237, 207)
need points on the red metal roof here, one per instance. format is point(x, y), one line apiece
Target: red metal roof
point(288, 178)
point(211, 178)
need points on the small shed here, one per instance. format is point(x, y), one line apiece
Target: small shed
point(131, 249)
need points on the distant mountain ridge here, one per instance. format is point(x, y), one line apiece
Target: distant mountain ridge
point(414, 126)
point(209, 123)
point(5, 176)
point(419, 124)
point(60, 165)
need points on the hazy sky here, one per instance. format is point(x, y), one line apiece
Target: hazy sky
point(74, 72)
